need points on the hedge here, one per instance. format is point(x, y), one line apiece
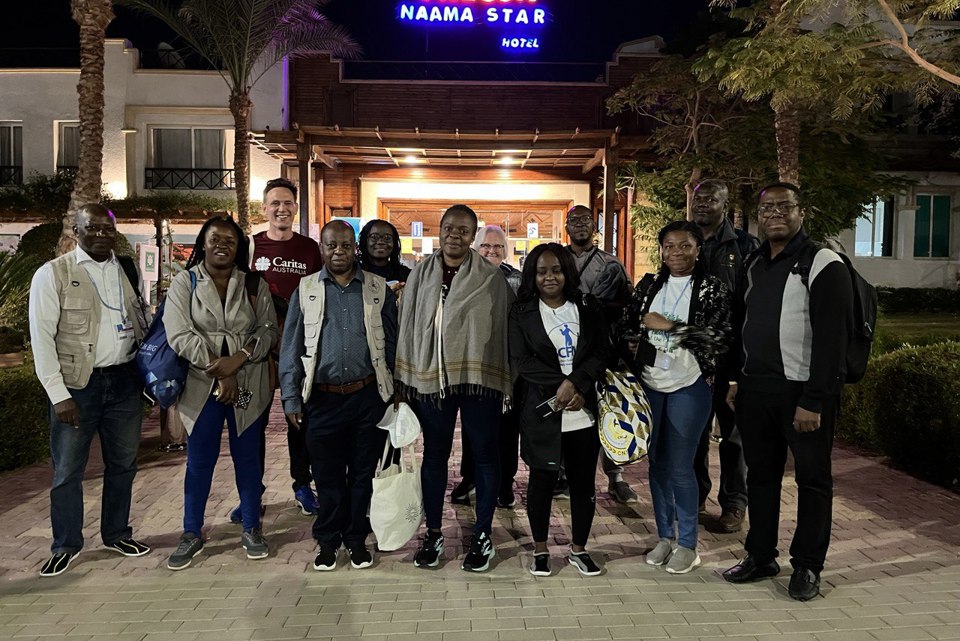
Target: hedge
point(915, 300)
point(908, 408)
point(24, 427)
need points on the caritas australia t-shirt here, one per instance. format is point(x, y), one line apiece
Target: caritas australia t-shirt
point(284, 262)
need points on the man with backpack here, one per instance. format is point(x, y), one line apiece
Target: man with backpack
point(794, 309)
point(724, 251)
point(86, 319)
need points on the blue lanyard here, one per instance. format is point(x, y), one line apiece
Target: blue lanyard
point(120, 309)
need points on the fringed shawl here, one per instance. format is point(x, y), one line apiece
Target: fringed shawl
point(459, 346)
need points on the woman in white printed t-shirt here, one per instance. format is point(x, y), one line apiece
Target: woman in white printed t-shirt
point(559, 355)
point(682, 319)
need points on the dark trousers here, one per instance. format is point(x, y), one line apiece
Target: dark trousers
point(299, 456)
point(765, 418)
point(509, 453)
point(345, 445)
point(732, 492)
point(480, 421)
point(110, 407)
point(203, 450)
point(579, 449)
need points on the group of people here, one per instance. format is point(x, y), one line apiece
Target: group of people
point(726, 328)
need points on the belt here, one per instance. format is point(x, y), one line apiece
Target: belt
point(345, 388)
point(112, 369)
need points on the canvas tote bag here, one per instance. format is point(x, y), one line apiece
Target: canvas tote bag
point(396, 508)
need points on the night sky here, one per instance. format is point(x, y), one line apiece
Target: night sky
point(42, 33)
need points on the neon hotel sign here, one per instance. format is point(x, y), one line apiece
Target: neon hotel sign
point(523, 17)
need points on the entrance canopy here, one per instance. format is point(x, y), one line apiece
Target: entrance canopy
point(333, 146)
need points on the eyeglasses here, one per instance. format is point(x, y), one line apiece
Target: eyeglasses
point(579, 221)
point(105, 230)
point(380, 238)
point(488, 246)
point(768, 210)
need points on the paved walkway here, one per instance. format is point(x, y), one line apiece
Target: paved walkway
point(893, 572)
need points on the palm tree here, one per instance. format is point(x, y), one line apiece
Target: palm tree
point(93, 16)
point(243, 39)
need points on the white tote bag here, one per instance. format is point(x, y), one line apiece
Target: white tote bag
point(402, 424)
point(396, 508)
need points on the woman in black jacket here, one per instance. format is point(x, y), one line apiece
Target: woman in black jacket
point(682, 319)
point(558, 362)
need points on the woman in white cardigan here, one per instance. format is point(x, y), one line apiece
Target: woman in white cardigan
point(221, 319)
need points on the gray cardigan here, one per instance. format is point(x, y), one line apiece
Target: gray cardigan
point(196, 327)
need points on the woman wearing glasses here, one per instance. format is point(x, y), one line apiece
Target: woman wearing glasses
point(378, 252)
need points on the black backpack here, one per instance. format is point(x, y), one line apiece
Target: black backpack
point(860, 342)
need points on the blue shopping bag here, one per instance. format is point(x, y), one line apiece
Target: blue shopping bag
point(164, 371)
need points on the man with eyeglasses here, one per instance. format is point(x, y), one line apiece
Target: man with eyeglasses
point(724, 251)
point(86, 320)
point(284, 257)
point(602, 275)
point(793, 322)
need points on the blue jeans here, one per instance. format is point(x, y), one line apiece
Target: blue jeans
point(678, 419)
point(110, 406)
point(480, 419)
point(203, 450)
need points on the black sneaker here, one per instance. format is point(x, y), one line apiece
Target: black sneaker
point(428, 556)
point(326, 559)
point(481, 551)
point(254, 544)
point(58, 563)
point(506, 501)
point(360, 557)
point(129, 547)
point(584, 564)
point(562, 489)
point(541, 564)
point(461, 493)
point(187, 548)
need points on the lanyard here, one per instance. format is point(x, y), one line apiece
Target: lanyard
point(673, 311)
point(120, 309)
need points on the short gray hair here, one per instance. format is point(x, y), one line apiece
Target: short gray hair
point(489, 229)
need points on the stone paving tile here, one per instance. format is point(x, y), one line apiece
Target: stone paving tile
point(893, 573)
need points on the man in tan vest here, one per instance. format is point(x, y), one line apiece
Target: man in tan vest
point(86, 320)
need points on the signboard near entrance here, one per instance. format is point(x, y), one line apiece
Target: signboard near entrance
point(533, 230)
point(416, 229)
point(149, 262)
point(516, 25)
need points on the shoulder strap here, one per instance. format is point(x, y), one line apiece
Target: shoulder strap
point(251, 247)
point(805, 261)
point(592, 255)
point(130, 269)
point(251, 282)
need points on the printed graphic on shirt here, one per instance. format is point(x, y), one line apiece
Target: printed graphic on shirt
point(673, 303)
point(564, 335)
point(281, 265)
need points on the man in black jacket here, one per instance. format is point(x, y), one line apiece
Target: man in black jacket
point(724, 251)
point(794, 323)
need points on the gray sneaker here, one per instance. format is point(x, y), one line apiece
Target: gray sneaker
point(254, 544)
point(188, 547)
point(660, 554)
point(683, 560)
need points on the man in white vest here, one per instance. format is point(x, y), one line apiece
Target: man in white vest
point(86, 320)
point(336, 377)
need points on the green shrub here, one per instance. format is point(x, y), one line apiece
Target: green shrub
point(914, 300)
point(24, 427)
point(908, 407)
point(41, 243)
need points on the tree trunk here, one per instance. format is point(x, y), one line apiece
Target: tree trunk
point(240, 105)
point(93, 16)
point(787, 123)
point(691, 185)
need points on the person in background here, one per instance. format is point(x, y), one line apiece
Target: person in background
point(491, 243)
point(681, 319)
point(452, 357)
point(226, 335)
point(725, 249)
point(283, 257)
point(559, 365)
point(86, 318)
point(603, 276)
point(336, 376)
point(379, 253)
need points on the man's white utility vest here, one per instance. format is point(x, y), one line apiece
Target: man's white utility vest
point(312, 298)
point(79, 323)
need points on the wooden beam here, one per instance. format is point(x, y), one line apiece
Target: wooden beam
point(593, 162)
point(609, 196)
point(303, 167)
point(581, 142)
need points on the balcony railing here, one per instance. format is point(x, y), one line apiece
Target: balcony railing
point(164, 178)
point(11, 175)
